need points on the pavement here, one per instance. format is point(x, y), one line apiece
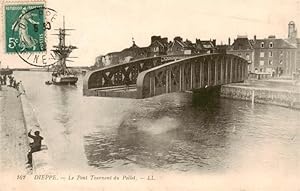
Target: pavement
point(13, 134)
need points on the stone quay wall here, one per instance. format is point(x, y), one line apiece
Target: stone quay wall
point(279, 97)
point(40, 159)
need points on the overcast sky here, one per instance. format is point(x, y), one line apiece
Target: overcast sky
point(104, 26)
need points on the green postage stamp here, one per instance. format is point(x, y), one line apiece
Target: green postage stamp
point(24, 28)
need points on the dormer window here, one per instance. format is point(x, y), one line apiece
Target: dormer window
point(262, 45)
point(271, 45)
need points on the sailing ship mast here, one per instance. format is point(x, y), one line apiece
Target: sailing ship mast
point(63, 51)
point(61, 75)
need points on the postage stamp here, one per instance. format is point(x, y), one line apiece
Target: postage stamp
point(26, 26)
point(24, 31)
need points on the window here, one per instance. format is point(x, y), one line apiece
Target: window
point(280, 62)
point(271, 45)
point(247, 57)
point(187, 51)
point(262, 45)
point(262, 54)
point(270, 62)
point(270, 54)
point(261, 63)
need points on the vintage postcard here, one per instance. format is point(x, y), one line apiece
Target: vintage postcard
point(149, 95)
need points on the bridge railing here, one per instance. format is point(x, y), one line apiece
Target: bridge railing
point(118, 75)
point(191, 73)
point(123, 74)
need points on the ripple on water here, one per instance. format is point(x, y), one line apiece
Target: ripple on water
point(166, 132)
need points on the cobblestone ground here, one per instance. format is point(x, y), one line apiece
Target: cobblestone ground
point(13, 141)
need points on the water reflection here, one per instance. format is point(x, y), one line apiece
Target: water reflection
point(164, 133)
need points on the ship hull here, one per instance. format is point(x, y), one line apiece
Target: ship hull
point(65, 80)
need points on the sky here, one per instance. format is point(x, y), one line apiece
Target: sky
point(104, 26)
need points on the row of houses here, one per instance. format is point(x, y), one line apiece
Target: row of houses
point(271, 55)
point(159, 46)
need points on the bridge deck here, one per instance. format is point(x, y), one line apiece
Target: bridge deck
point(119, 91)
point(155, 76)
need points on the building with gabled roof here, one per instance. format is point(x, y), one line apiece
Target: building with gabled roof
point(179, 47)
point(158, 46)
point(274, 55)
point(243, 47)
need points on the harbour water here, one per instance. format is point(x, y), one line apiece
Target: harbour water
point(164, 133)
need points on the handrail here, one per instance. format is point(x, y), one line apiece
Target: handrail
point(108, 68)
point(142, 75)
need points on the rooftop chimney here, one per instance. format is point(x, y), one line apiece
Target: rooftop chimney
point(272, 36)
point(214, 42)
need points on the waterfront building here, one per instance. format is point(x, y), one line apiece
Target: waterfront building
point(99, 63)
point(243, 47)
point(270, 55)
point(274, 55)
point(111, 58)
point(293, 39)
point(131, 53)
point(180, 47)
point(126, 55)
point(207, 46)
point(158, 46)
